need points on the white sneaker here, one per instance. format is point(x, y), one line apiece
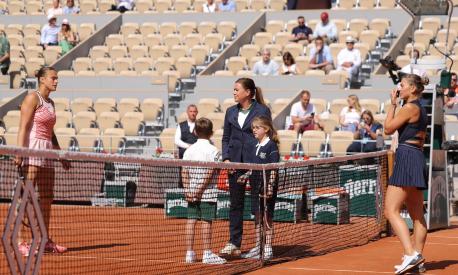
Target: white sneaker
point(230, 250)
point(252, 254)
point(190, 257)
point(211, 258)
point(268, 253)
point(421, 267)
point(410, 262)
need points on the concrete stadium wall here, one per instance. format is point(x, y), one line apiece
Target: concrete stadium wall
point(98, 20)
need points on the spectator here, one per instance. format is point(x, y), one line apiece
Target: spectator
point(326, 29)
point(227, 5)
point(350, 115)
point(366, 131)
point(450, 101)
point(210, 6)
point(184, 135)
point(56, 9)
point(289, 64)
point(67, 38)
point(303, 116)
point(123, 6)
point(301, 33)
point(4, 53)
point(266, 66)
point(320, 56)
point(70, 8)
point(349, 59)
point(50, 32)
point(408, 69)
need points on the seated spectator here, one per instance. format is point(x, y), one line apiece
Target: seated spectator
point(70, 8)
point(4, 53)
point(301, 33)
point(289, 64)
point(266, 66)
point(56, 9)
point(366, 132)
point(227, 5)
point(50, 32)
point(449, 100)
point(123, 6)
point(67, 38)
point(320, 56)
point(210, 6)
point(350, 115)
point(326, 29)
point(303, 116)
point(349, 59)
point(408, 69)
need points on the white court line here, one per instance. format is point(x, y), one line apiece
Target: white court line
point(449, 244)
point(340, 270)
point(114, 259)
point(442, 237)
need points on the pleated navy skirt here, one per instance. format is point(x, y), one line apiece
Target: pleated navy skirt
point(409, 168)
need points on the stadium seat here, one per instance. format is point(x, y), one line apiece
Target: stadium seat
point(249, 50)
point(66, 73)
point(337, 105)
point(200, 53)
point(31, 29)
point(423, 36)
point(302, 64)
point(16, 52)
point(87, 6)
point(102, 64)
point(287, 139)
point(279, 104)
point(258, 5)
point(389, 4)
point(104, 104)
point(143, 5)
point(122, 64)
point(381, 25)
point(227, 29)
point(177, 51)
point(262, 38)
point(61, 103)
point(108, 120)
point(33, 65)
point(11, 119)
point(167, 28)
point(172, 39)
point(312, 141)
point(339, 141)
point(163, 64)
point(88, 139)
point(214, 41)
point(442, 37)
point(128, 104)
point(206, 27)
point(245, 73)
point(228, 102)
point(314, 73)
point(441, 47)
point(192, 39)
point(52, 54)
point(235, 64)
point(275, 50)
point(364, 49)
point(186, 67)
point(84, 120)
point(113, 140)
point(207, 105)
point(370, 37)
point(158, 51)
point(282, 38)
point(167, 140)
point(320, 104)
point(104, 73)
point(17, 64)
point(133, 40)
point(358, 25)
point(98, 51)
point(182, 5)
point(295, 49)
point(380, 118)
point(85, 30)
point(275, 26)
point(372, 105)
point(82, 64)
point(143, 64)
point(344, 34)
point(217, 138)
point(129, 28)
point(33, 52)
point(65, 137)
point(138, 51)
point(418, 46)
point(217, 119)
point(150, 109)
point(346, 4)
point(223, 73)
point(63, 119)
point(11, 136)
point(133, 123)
point(330, 122)
point(81, 104)
point(431, 23)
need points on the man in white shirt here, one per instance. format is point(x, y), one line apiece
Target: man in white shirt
point(266, 66)
point(349, 59)
point(70, 8)
point(50, 32)
point(210, 6)
point(303, 116)
point(56, 9)
point(184, 135)
point(326, 29)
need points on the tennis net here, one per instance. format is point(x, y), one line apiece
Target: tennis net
point(128, 215)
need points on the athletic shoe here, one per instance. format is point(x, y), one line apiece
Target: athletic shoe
point(190, 257)
point(24, 248)
point(421, 267)
point(254, 253)
point(52, 247)
point(410, 262)
point(211, 258)
point(230, 250)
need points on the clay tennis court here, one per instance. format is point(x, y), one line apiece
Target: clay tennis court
point(379, 257)
point(110, 240)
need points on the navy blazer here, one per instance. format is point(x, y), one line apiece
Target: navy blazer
point(239, 143)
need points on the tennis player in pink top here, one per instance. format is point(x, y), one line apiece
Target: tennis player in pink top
point(36, 132)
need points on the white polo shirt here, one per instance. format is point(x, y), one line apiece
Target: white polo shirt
point(202, 150)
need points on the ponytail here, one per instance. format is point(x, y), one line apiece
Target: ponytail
point(259, 97)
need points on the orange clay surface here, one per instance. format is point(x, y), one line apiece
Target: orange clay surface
point(379, 257)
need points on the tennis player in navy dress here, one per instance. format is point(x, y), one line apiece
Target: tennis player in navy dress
point(238, 145)
point(263, 197)
point(408, 178)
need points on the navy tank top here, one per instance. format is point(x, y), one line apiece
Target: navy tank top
point(410, 131)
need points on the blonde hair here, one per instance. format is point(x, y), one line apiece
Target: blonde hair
point(356, 100)
point(267, 123)
point(417, 81)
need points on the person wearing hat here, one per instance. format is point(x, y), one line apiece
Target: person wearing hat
point(349, 59)
point(326, 29)
point(49, 32)
point(67, 38)
point(55, 9)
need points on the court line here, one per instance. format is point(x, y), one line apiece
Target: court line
point(339, 270)
point(442, 237)
point(449, 244)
